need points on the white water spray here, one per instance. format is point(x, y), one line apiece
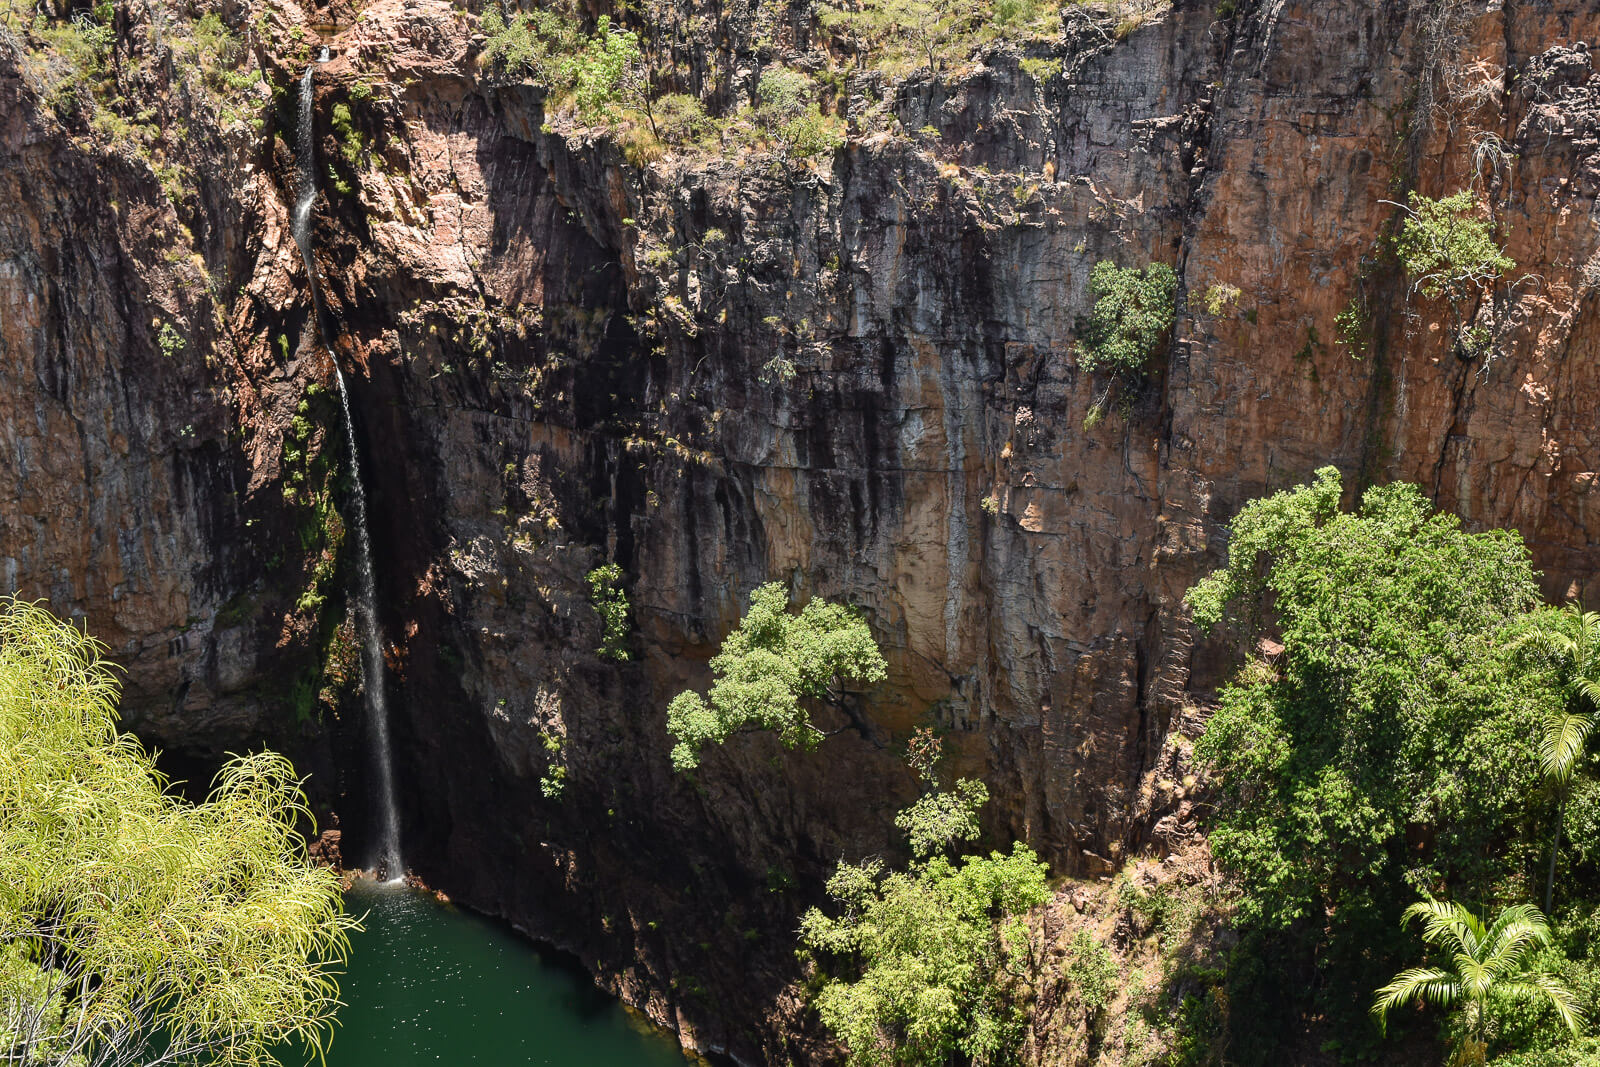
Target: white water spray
point(387, 862)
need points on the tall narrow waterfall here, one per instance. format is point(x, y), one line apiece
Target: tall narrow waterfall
point(386, 861)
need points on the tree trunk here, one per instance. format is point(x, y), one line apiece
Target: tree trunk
point(1555, 847)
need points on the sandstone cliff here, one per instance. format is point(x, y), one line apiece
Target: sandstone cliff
point(558, 360)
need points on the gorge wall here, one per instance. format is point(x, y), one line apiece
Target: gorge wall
point(560, 357)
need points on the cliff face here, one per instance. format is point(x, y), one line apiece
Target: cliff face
point(563, 358)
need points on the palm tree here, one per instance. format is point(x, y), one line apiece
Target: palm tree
point(1487, 963)
point(1570, 637)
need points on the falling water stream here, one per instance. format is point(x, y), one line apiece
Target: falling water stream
point(386, 861)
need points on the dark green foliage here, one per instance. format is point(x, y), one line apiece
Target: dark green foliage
point(1132, 316)
point(609, 600)
point(1391, 745)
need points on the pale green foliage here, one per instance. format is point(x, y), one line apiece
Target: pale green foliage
point(170, 340)
point(940, 820)
point(1220, 297)
point(896, 34)
point(768, 666)
point(603, 74)
point(128, 913)
point(938, 948)
point(900, 36)
point(611, 602)
point(1488, 965)
point(1446, 248)
point(553, 783)
point(1133, 313)
point(344, 128)
point(788, 111)
point(607, 73)
point(1092, 970)
point(533, 44)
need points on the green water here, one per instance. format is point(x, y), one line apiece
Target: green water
point(432, 984)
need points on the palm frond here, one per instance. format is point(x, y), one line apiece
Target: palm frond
point(1541, 985)
point(1424, 985)
point(1446, 921)
point(1565, 734)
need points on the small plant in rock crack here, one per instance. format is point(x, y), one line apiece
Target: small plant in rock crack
point(609, 600)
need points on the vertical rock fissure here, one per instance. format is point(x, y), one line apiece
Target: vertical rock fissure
point(386, 861)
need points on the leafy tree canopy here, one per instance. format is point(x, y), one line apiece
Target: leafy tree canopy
point(937, 949)
point(1133, 313)
point(136, 928)
point(1391, 740)
point(1446, 247)
point(768, 667)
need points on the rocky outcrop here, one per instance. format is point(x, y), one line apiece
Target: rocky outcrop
point(562, 358)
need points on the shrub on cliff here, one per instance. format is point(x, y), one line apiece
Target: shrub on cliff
point(611, 604)
point(1133, 313)
point(1448, 251)
point(136, 927)
point(930, 956)
point(769, 668)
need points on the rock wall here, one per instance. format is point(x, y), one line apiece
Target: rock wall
point(564, 358)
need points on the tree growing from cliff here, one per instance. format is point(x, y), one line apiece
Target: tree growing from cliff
point(930, 956)
point(1489, 964)
point(1132, 315)
point(770, 668)
point(1449, 252)
point(1384, 739)
point(611, 604)
point(136, 928)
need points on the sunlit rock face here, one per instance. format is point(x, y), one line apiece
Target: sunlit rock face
point(858, 378)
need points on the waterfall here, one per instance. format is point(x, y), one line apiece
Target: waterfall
point(386, 863)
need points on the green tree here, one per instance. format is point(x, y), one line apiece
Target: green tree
point(609, 73)
point(1133, 313)
point(1570, 638)
point(1385, 739)
point(1488, 964)
point(1448, 251)
point(532, 44)
point(611, 603)
point(895, 32)
point(794, 119)
point(769, 668)
point(136, 927)
point(932, 955)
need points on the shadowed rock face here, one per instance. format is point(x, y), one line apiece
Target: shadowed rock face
point(561, 360)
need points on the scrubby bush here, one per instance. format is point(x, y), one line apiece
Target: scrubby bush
point(1133, 314)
